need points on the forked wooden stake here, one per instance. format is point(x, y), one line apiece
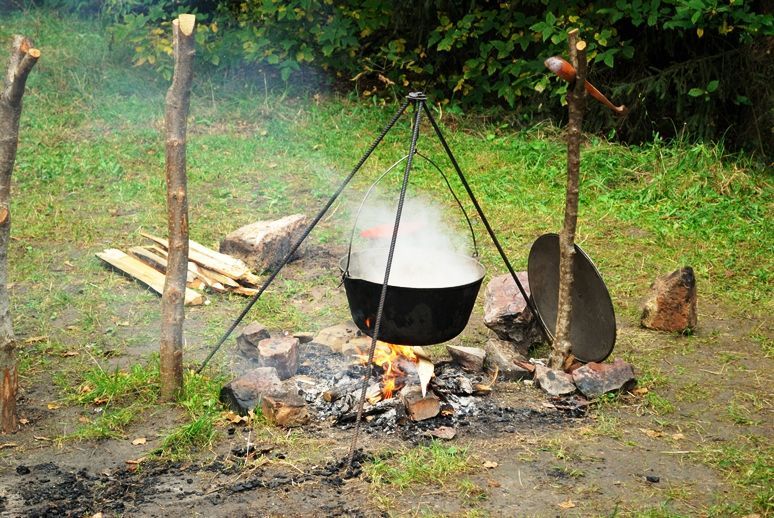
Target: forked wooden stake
point(175, 119)
point(561, 356)
point(23, 58)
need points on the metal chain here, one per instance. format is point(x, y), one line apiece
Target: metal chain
point(418, 102)
point(306, 233)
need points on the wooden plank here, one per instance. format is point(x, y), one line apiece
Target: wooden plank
point(221, 263)
point(144, 273)
point(157, 262)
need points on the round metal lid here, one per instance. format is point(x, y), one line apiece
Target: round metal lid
point(593, 329)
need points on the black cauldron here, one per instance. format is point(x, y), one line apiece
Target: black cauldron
point(413, 315)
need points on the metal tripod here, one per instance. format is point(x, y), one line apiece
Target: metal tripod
point(419, 102)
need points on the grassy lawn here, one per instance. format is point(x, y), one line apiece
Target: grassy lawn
point(90, 175)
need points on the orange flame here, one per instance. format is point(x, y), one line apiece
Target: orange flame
point(390, 357)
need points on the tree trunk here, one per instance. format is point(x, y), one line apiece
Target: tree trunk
point(175, 117)
point(23, 58)
point(561, 351)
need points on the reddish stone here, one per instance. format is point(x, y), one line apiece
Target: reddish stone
point(671, 304)
point(553, 382)
point(507, 314)
point(280, 353)
point(264, 244)
point(595, 379)
point(244, 393)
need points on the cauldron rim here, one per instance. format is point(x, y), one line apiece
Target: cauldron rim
point(349, 275)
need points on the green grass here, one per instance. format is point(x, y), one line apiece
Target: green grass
point(433, 464)
point(89, 175)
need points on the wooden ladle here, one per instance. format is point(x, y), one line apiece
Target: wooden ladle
point(566, 71)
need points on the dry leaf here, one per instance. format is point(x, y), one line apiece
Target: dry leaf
point(640, 391)
point(96, 515)
point(135, 461)
point(489, 464)
point(67, 354)
point(84, 420)
point(492, 483)
point(52, 406)
point(655, 434)
point(569, 504)
point(140, 440)
point(235, 418)
point(101, 400)
point(678, 436)
point(35, 339)
point(24, 420)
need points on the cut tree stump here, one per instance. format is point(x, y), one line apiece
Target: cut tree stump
point(23, 57)
point(144, 273)
point(177, 102)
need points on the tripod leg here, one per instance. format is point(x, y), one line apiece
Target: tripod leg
point(306, 233)
point(383, 295)
point(492, 235)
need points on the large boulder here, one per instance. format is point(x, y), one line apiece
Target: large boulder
point(671, 304)
point(264, 244)
point(508, 315)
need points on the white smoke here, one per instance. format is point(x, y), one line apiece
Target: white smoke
point(429, 253)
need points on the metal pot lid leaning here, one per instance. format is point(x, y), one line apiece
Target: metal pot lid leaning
point(593, 328)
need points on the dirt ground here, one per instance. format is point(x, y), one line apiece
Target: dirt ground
point(625, 457)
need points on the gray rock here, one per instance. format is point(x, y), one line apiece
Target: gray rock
point(248, 338)
point(553, 382)
point(280, 353)
point(501, 354)
point(595, 379)
point(244, 393)
point(507, 314)
point(671, 303)
point(336, 336)
point(469, 358)
point(264, 244)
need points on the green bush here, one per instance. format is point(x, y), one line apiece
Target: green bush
point(690, 66)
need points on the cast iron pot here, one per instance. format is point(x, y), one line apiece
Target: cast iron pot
point(412, 315)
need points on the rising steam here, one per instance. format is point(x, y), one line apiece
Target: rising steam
point(428, 253)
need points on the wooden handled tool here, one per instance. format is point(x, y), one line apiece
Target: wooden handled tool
point(566, 71)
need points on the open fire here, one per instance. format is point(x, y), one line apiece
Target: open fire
point(397, 362)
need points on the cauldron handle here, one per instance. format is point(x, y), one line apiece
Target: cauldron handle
point(345, 273)
point(373, 185)
point(459, 203)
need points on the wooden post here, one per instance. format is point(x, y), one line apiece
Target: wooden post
point(175, 118)
point(23, 58)
point(561, 356)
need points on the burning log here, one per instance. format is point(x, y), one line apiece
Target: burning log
point(419, 407)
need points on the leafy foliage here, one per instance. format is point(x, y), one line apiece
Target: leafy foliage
point(678, 63)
